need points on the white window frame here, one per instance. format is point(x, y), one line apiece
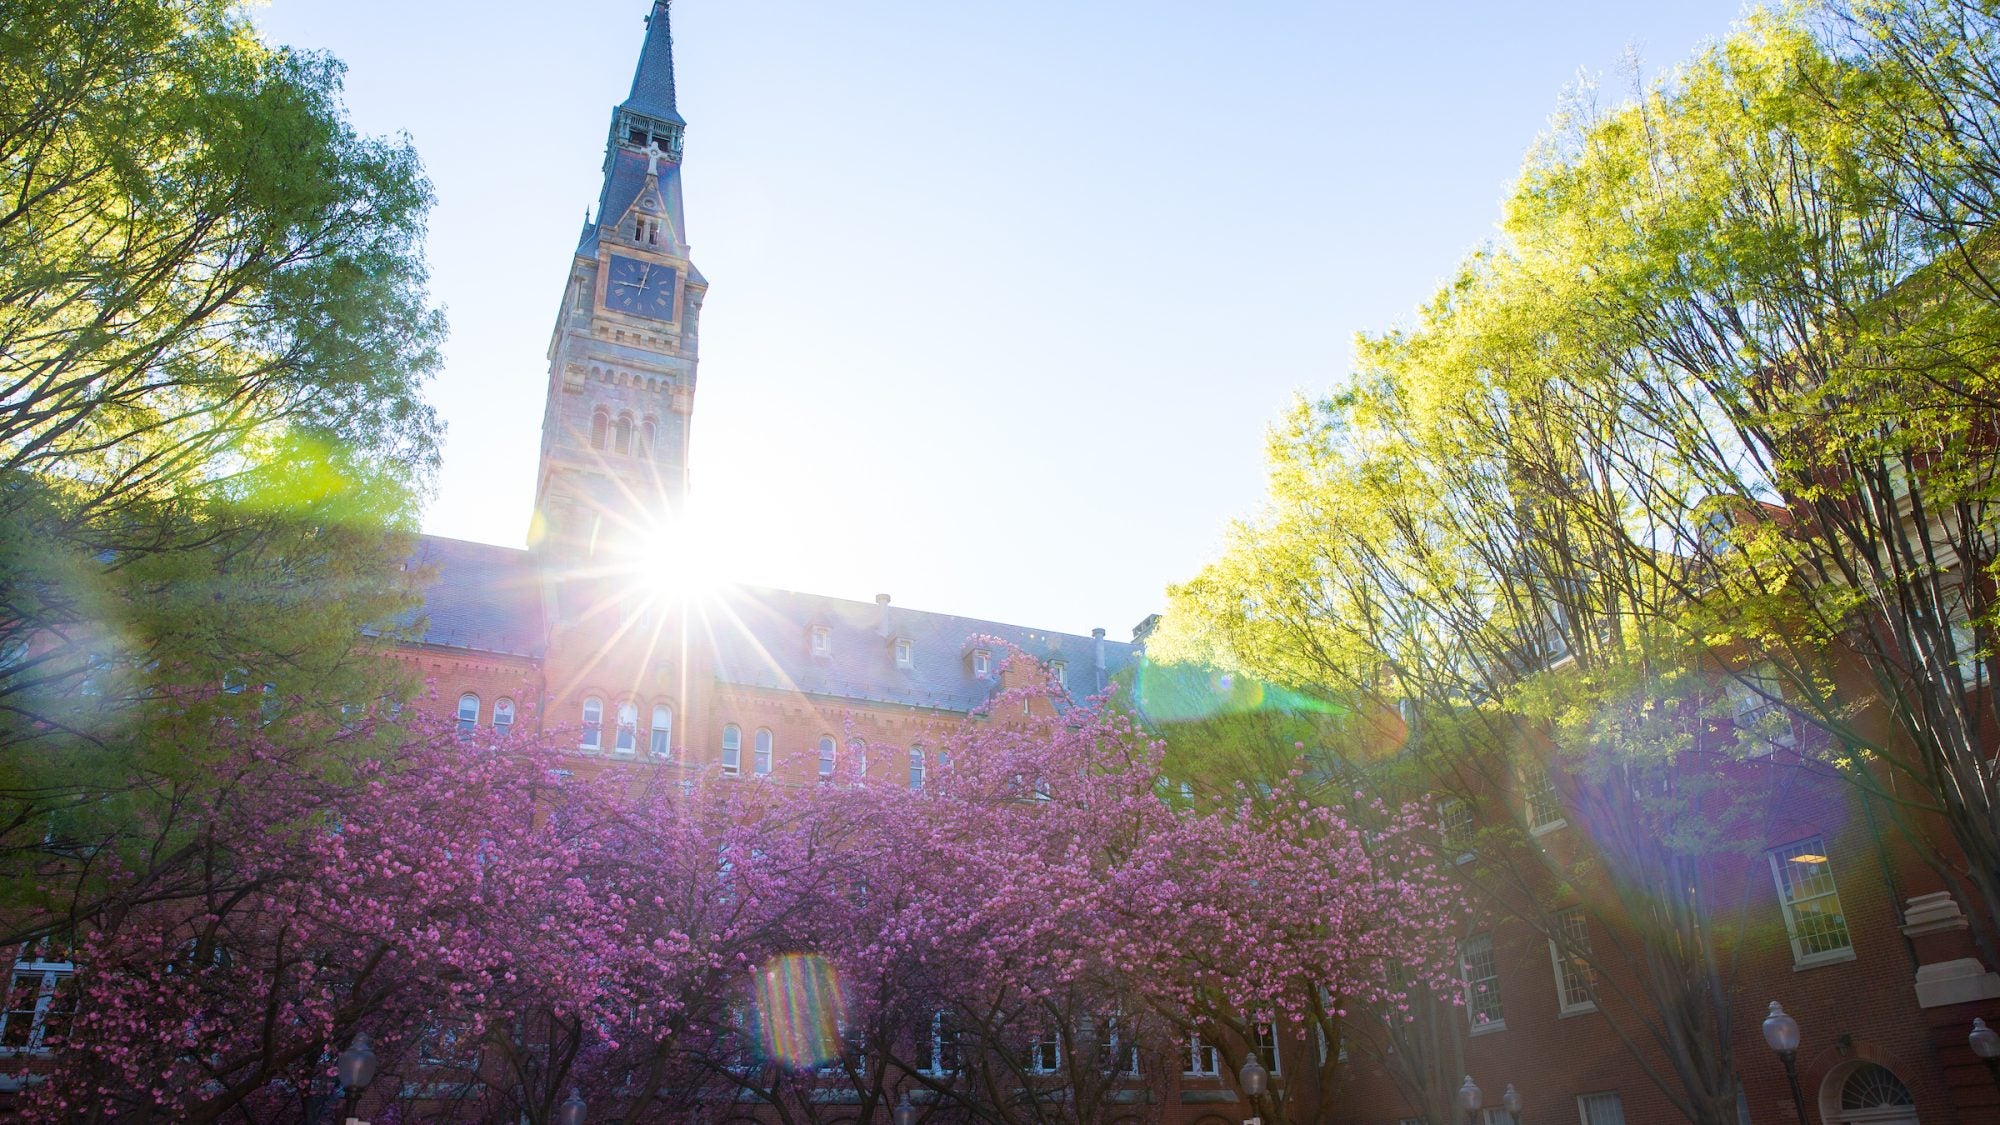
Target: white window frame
point(1266, 1046)
point(762, 751)
point(1203, 1060)
point(625, 738)
point(53, 975)
point(982, 663)
point(1119, 1058)
point(939, 1028)
point(1539, 796)
point(660, 739)
point(468, 723)
point(592, 738)
point(1473, 1007)
point(1573, 973)
point(1455, 828)
point(917, 767)
point(1782, 877)
point(829, 755)
point(732, 750)
point(822, 641)
point(1044, 1055)
point(1059, 671)
point(503, 715)
point(905, 653)
point(1588, 1105)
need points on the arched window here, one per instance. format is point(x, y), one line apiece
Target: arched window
point(859, 749)
point(599, 422)
point(1873, 1087)
point(468, 713)
point(826, 754)
point(648, 432)
point(593, 724)
point(624, 440)
point(663, 731)
point(732, 750)
point(503, 715)
point(763, 763)
point(916, 767)
point(628, 728)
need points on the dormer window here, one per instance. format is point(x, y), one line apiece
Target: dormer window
point(903, 652)
point(982, 663)
point(1059, 672)
point(822, 641)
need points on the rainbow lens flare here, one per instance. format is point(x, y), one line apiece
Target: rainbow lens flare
point(799, 1010)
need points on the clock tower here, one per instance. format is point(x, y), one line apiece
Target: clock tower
point(622, 358)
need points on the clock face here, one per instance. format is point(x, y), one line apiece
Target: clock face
point(640, 288)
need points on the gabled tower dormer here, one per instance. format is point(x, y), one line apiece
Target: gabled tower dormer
point(622, 357)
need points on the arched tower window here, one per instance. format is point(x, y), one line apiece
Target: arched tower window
point(648, 434)
point(826, 755)
point(468, 713)
point(624, 440)
point(663, 731)
point(763, 763)
point(628, 728)
point(593, 724)
point(732, 750)
point(599, 422)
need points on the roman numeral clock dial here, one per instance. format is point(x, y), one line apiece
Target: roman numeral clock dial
point(640, 288)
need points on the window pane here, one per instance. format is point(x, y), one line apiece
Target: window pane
point(468, 713)
point(1576, 987)
point(763, 763)
point(1601, 1109)
point(1811, 902)
point(503, 715)
point(663, 731)
point(1482, 982)
point(593, 723)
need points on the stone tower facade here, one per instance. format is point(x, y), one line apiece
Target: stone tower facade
point(622, 356)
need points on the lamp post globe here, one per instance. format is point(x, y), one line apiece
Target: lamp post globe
point(905, 1114)
point(1781, 1031)
point(355, 1066)
point(573, 1110)
point(1469, 1096)
point(1253, 1079)
point(1984, 1041)
point(1512, 1101)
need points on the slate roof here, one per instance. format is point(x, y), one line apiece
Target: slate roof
point(478, 597)
point(653, 82)
point(763, 638)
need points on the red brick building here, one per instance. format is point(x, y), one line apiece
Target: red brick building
point(583, 629)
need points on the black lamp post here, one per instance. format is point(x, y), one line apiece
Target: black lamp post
point(573, 1110)
point(1253, 1080)
point(1782, 1033)
point(1469, 1100)
point(1985, 1042)
point(1512, 1100)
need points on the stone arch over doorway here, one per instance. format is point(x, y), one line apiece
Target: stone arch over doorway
point(1865, 1091)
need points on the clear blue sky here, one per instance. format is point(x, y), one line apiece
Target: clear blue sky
point(1003, 295)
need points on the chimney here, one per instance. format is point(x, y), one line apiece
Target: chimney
point(882, 626)
point(1097, 635)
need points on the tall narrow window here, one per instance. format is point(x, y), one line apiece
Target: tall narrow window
point(662, 744)
point(1202, 1058)
point(1482, 984)
point(468, 713)
point(627, 738)
point(944, 1044)
point(1601, 1109)
point(763, 763)
point(503, 715)
point(1267, 1048)
point(1569, 949)
point(982, 663)
point(648, 435)
point(1539, 800)
point(826, 755)
point(593, 724)
point(1060, 671)
point(916, 767)
point(623, 442)
point(859, 749)
point(1455, 828)
point(732, 750)
point(1811, 902)
point(904, 656)
point(38, 1007)
point(599, 422)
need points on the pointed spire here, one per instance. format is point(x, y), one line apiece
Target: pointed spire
point(653, 81)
